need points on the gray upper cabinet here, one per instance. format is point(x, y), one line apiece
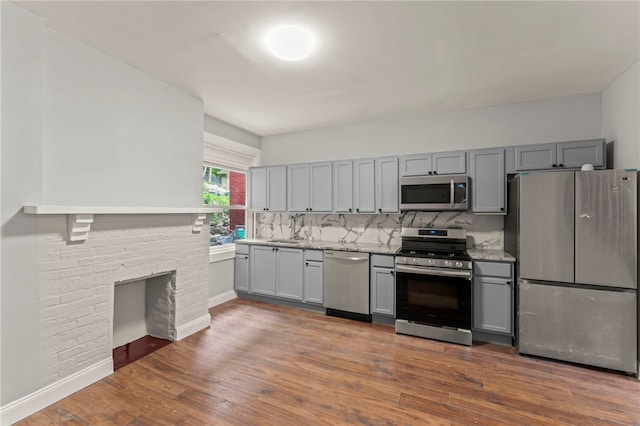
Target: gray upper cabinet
point(268, 189)
point(364, 186)
point(439, 163)
point(575, 154)
point(565, 155)
point(386, 183)
point(309, 187)
point(415, 165)
point(493, 297)
point(450, 163)
point(343, 186)
point(488, 181)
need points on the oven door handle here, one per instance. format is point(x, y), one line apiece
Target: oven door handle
point(439, 272)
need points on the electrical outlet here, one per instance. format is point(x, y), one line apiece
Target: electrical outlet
point(361, 228)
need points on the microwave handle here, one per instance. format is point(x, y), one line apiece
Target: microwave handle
point(452, 193)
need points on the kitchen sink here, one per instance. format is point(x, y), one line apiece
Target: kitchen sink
point(284, 241)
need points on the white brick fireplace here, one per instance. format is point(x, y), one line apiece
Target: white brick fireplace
point(78, 281)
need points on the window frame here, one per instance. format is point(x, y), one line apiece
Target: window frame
point(234, 156)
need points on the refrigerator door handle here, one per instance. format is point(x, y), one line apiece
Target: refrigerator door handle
point(584, 216)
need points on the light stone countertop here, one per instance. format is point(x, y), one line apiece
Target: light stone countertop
point(324, 245)
point(489, 254)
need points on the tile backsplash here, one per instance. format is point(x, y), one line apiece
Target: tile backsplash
point(485, 232)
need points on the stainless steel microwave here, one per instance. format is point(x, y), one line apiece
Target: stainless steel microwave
point(433, 193)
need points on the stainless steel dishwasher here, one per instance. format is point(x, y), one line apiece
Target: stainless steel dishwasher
point(346, 284)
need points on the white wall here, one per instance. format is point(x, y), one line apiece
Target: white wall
point(220, 277)
point(576, 117)
point(621, 118)
point(22, 75)
point(115, 136)
point(78, 128)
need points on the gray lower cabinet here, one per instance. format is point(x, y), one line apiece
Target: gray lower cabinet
point(383, 285)
point(493, 297)
point(263, 270)
point(241, 270)
point(313, 277)
point(488, 180)
point(276, 271)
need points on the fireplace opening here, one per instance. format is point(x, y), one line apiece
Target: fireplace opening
point(143, 317)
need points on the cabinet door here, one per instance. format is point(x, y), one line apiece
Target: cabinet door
point(343, 186)
point(241, 273)
point(415, 165)
point(383, 291)
point(313, 276)
point(575, 154)
point(321, 187)
point(492, 304)
point(488, 181)
point(258, 189)
point(298, 187)
point(364, 186)
point(386, 183)
point(449, 163)
point(277, 191)
point(262, 270)
point(536, 157)
point(289, 273)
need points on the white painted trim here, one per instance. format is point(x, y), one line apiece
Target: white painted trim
point(47, 209)
point(192, 327)
point(220, 253)
point(29, 404)
point(221, 298)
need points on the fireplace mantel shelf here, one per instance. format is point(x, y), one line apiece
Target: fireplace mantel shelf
point(80, 218)
point(49, 209)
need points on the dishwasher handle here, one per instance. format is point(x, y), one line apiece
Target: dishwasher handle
point(334, 255)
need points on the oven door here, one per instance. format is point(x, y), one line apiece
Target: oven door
point(434, 296)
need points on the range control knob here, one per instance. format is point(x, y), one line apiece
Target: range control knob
point(404, 260)
point(429, 262)
point(447, 263)
point(458, 264)
point(414, 261)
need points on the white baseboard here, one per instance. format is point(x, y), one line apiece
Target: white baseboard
point(221, 298)
point(194, 326)
point(36, 401)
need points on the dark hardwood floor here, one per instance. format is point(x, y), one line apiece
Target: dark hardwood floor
point(265, 364)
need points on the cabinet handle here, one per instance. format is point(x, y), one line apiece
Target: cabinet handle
point(306, 263)
point(508, 282)
point(350, 209)
point(380, 210)
point(435, 172)
point(560, 165)
point(392, 273)
point(310, 209)
point(553, 165)
point(430, 173)
point(358, 210)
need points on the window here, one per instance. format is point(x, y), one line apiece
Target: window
point(226, 189)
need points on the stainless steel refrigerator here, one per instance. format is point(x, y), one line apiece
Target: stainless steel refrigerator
point(575, 237)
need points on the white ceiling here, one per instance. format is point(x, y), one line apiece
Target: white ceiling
point(375, 59)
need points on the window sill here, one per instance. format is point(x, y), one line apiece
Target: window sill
point(220, 253)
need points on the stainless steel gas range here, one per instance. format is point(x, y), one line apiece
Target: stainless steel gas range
point(433, 285)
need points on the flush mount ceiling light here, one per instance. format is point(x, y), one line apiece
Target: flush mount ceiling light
point(290, 42)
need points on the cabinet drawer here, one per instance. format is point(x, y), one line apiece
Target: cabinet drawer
point(242, 248)
point(494, 269)
point(383, 261)
point(316, 255)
